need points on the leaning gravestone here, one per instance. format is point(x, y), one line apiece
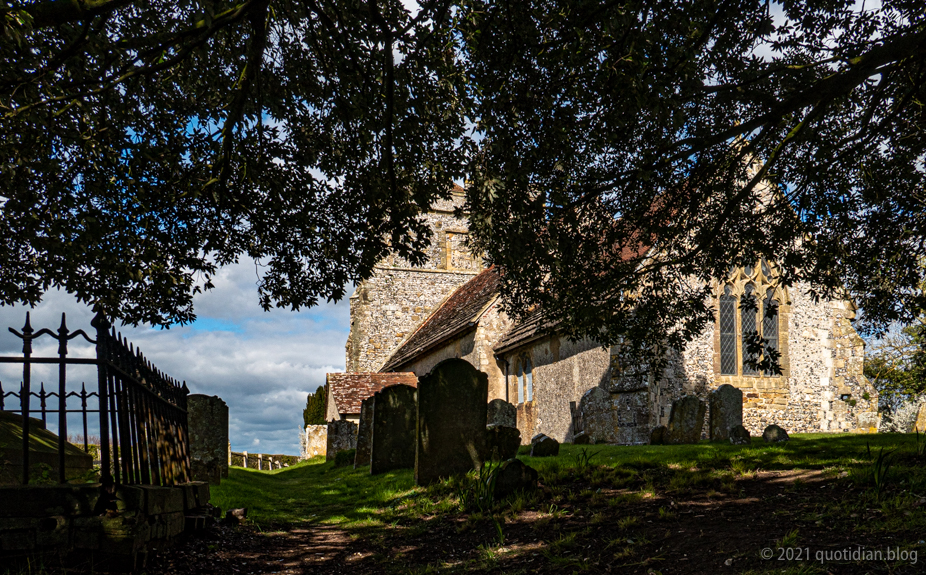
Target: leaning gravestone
point(544, 446)
point(685, 420)
point(739, 435)
point(726, 411)
point(502, 442)
point(451, 421)
point(774, 434)
point(500, 412)
point(392, 445)
point(364, 434)
point(582, 438)
point(513, 476)
point(342, 435)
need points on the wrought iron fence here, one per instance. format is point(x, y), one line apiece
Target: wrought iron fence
point(141, 412)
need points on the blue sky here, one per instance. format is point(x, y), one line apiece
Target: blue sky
point(263, 364)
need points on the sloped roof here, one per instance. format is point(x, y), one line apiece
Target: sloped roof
point(532, 327)
point(350, 389)
point(456, 314)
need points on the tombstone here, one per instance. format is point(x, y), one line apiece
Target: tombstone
point(544, 446)
point(920, 423)
point(500, 412)
point(739, 435)
point(451, 421)
point(244, 457)
point(726, 411)
point(392, 443)
point(595, 415)
point(582, 439)
point(658, 435)
point(364, 434)
point(513, 476)
point(502, 442)
point(621, 417)
point(260, 462)
point(207, 421)
point(316, 441)
point(774, 434)
point(342, 435)
point(685, 420)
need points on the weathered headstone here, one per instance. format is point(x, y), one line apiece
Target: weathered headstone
point(775, 434)
point(512, 476)
point(500, 412)
point(739, 435)
point(364, 434)
point(207, 419)
point(726, 411)
point(392, 444)
point(342, 435)
point(920, 423)
point(452, 414)
point(685, 420)
point(619, 417)
point(544, 446)
point(582, 438)
point(658, 435)
point(502, 442)
point(316, 441)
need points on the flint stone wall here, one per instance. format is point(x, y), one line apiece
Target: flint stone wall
point(392, 443)
point(563, 371)
point(342, 435)
point(451, 424)
point(207, 418)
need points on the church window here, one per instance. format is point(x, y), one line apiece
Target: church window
point(520, 383)
point(728, 332)
point(528, 380)
point(748, 321)
point(749, 303)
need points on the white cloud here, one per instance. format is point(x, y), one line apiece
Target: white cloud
point(262, 364)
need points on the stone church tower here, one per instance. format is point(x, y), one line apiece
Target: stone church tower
point(389, 306)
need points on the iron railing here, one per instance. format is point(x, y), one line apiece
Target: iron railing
point(142, 413)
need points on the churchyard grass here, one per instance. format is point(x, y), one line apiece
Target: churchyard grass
point(638, 507)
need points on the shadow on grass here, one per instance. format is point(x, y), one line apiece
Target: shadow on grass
point(635, 508)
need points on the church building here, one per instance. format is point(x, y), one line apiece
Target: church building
point(408, 319)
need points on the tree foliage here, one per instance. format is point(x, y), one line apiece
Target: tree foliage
point(896, 366)
point(316, 406)
point(621, 155)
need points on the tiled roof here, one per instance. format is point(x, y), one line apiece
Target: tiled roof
point(349, 389)
point(458, 313)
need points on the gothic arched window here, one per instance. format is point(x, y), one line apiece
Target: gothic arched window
point(749, 303)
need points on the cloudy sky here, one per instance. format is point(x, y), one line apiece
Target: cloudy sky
point(261, 364)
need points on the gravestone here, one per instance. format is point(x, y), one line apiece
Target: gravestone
point(619, 417)
point(658, 435)
point(582, 438)
point(502, 442)
point(364, 434)
point(685, 420)
point(544, 446)
point(726, 411)
point(342, 435)
point(207, 420)
point(392, 443)
point(316, 441)
point(739, 435)
point(500, 412)
point(452, 415)
point(512, 476)
point(920, 423)
point(774, 434)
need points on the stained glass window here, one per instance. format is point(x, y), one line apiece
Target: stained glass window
point(727, 332)
point(748, 322)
